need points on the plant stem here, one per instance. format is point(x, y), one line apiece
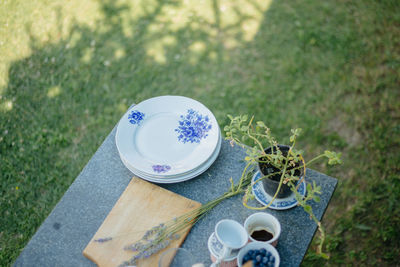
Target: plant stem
point(315, 159)
point(252, 137)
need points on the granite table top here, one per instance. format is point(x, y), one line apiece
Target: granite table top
point(65, 233)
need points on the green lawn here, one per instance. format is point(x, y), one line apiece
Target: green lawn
point(69, 70)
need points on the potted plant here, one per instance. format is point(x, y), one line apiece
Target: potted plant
point(270, 163)
point(282, 167)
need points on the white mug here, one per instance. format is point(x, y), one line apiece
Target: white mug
point(231, 235)
point(259, 222)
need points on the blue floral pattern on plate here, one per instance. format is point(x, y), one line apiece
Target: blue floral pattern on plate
point(161, 168)
point(193, 127)
point(279, 203)
point(136, 117)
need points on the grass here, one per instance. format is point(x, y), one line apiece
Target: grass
point(69, 70)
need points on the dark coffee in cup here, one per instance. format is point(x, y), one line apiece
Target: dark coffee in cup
point(262, 235)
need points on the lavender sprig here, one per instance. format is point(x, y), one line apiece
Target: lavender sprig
point(102, 240)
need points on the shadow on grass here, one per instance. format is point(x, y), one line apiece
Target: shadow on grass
point(290, 64)
point(67, 95)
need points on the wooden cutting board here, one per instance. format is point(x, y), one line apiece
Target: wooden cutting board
point(141, 206)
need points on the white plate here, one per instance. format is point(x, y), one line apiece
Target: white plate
point(185, 177)
point(279, 203)
point(163, 176)
point(167, 135)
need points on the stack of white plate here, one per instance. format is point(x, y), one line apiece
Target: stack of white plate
point(168, 139)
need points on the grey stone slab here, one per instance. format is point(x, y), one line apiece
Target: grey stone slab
point(62, 237)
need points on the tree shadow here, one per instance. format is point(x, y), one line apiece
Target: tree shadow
point(67, 95)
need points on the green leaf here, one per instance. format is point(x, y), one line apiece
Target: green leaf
point(334, 158)
point(308, 208)
point(317, 188)
point(261, 124)
point(324, 255)
point(309, 187)
point(295, 133)
point(317, 199)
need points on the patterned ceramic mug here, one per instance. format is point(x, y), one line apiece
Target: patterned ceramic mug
point(231, 235)
point(215, 249)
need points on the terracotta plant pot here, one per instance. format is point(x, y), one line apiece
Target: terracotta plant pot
point(271, 183)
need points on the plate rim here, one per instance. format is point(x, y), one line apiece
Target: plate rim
point(183, 178)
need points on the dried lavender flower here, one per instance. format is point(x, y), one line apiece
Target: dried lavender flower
point(102, 240)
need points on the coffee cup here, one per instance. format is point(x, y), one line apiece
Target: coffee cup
point(263, 227)
point(215, 248)
point(231, 235)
